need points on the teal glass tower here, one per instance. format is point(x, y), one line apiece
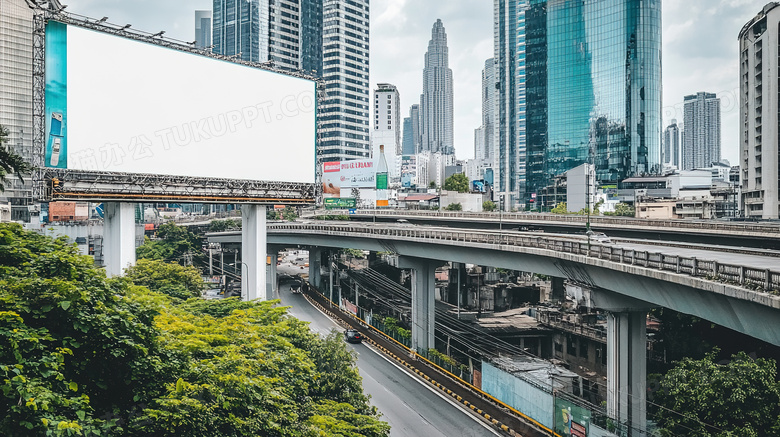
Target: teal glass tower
point(587, 87)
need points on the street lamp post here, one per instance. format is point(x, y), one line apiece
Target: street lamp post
point(501, 212)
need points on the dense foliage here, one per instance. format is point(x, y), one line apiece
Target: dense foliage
point(173, 244)
point(454, 207)
point(702, 398)
point(457, 182)
point(82, 354)
point(169, 278)
point(623, 210)
point(288, 213)
point(10, 162)
point(488, 206)
point(224, 225)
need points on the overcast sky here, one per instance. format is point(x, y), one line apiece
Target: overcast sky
point(700, 50)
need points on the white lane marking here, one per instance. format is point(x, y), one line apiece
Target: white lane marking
point(460, 407)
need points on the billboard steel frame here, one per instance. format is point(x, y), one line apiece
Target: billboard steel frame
point(62, 184)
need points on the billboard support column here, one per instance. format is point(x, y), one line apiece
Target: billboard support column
point(253, 252)
point(119, 237)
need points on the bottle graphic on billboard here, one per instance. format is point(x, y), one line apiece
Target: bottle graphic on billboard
point(55, 138)
point(381, 179)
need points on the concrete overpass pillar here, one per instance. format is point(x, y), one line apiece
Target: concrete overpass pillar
point(119, 237)
point(315, 267)
point(423, 301)
point(626, 359)
point(253, 253)
point(272, 281)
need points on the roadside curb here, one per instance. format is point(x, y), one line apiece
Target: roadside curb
point(442, 388)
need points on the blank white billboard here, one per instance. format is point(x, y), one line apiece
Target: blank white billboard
point(134, 107)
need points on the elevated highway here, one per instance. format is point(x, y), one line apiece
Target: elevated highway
point(701, 283)
point(625, 281)
point(765, 235)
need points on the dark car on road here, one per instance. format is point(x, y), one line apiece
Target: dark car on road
point(352, 336)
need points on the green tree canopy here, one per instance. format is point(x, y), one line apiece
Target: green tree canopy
point(488, 206)
point(457, 182)
point(82, 354)
point(702, 398)
point(624, 210)
point(224, 225)
point(454, 207)
point(167, 278)
point(10, 162)
point(560, 208)
point(174, 243)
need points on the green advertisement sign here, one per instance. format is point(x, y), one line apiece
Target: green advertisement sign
point(340, 202)
point(381, 181)
point(571, 420)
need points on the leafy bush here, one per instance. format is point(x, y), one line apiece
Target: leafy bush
point(392, 325)
point(224, 225)
point(454, 207)
point(167, 278)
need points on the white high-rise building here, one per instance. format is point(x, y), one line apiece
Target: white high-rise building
point(387, 126)
point(436, 101)
point(16, 108)
point(484, 141)
point(701, 140)
point(759, 108)
point(671, 150)
point(284, 44)
point(344, 114)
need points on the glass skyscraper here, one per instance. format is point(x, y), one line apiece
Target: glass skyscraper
point(587, 87)
point(240, 27)
point(344, 113)
point(203, 29)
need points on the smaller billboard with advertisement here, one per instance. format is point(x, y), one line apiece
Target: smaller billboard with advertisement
point(340, 202)
point(348, 175)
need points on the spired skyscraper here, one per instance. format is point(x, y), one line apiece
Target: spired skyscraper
point(580, 81)
point(436, 101)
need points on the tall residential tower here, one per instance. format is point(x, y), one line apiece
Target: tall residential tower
point(344, 115)
point(759, 108)
point(701, 138)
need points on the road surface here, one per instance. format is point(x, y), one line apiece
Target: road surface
point(407, 404)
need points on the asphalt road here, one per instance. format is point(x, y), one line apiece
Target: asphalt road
point(407, 404)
